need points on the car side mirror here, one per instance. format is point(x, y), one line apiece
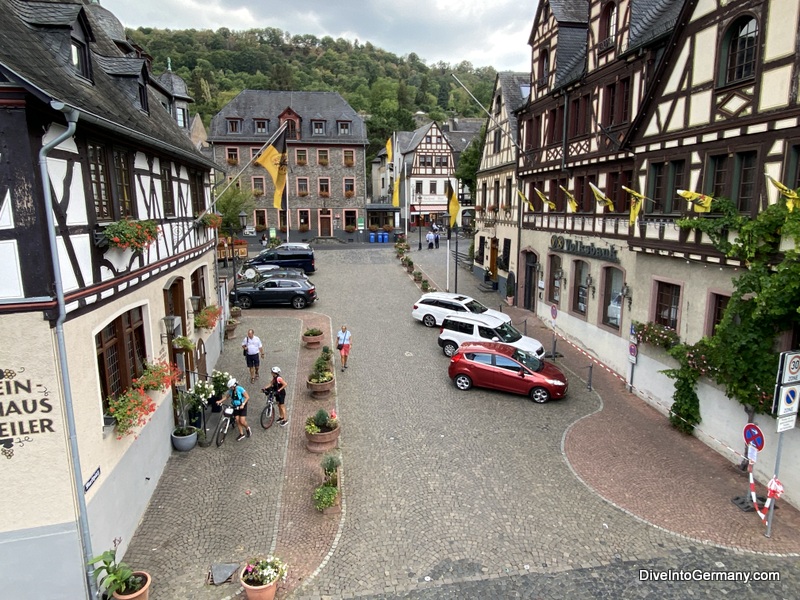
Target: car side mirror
point(495, 339)
point(522, 372)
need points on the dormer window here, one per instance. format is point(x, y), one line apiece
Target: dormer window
point(79, 52)
point(234, 126)
point(608, 27)
point(143, 104)
point(262, 126)
point(344, 127)
point(182, 117)
point(544, 68)
point(318, 127)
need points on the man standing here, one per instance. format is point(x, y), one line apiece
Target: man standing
point(344, 340)
point(252, 349)
point(429, 239)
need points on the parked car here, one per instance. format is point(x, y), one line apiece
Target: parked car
point(298, 293)
point(459, 328)
point(258, 272)
point(506, 368)
point(433, 307)
point(294, 246)
point(298, 258)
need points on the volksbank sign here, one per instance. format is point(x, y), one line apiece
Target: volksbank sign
point(561, 244)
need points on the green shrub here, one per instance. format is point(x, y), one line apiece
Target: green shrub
point(325, 497)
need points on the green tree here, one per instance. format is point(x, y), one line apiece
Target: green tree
point(470, 162)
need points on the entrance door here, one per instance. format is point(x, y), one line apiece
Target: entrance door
point(531, 282)
point(325, 225)
point(493, 258)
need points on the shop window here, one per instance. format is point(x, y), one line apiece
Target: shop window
point(612, 297)
point(556, 278)
point(668, 296)
point(121, 353)
point(580, 286)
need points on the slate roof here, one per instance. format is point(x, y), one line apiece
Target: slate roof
point(570, 11)
point(512, 86)
point(571, 54)
point(38, 60)
point(651, 19)
point(175, 85)
point(269, 104)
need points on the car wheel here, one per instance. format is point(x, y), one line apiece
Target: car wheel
point(299, 302)
point(429, 321)
point(463, 382)
point(245, 302)
point(540, 395)
point(450, 348)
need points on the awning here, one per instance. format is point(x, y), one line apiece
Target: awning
point(429, 208)
point(381, 207)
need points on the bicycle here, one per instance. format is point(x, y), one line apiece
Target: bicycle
point(268, 414)
point(225, 422)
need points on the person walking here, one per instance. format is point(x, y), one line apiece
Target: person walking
point(429, 239)
point(239, 399)
point(344, 341)
point(436, 239)
point(252, 349)
point(264, 240)
point(278, 385)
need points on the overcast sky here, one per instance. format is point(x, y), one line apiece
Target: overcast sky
point(484, 32)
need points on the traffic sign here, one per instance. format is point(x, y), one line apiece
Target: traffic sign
point(553, 311)
point(752, 435)
point(786, 423)
point(787, 405)
point(790, 367)
point(633, 352)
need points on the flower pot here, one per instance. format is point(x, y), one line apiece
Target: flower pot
point(230, 331)
point(236, 312)
point(258, 592)
point(322, 442)
point(320, 390)
point(142, 594)
point(184, 443)
point(313, 341)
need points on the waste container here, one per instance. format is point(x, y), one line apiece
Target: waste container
point(371, 237)
point(384, 237)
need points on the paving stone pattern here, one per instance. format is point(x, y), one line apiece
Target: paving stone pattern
point(450, 494)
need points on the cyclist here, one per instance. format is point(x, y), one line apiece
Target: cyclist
point(239, 399)
point(278, 385)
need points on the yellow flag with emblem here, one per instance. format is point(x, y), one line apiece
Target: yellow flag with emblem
point(524, 198)
point(636, 204)
point(274, 160)
point(700, 202)
point(601, 198)
point(543, 198)
point(792, 199)
point(389, 150)
point(452, 202)
point(573, 204)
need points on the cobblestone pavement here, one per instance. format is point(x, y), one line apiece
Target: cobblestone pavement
point(449, 494)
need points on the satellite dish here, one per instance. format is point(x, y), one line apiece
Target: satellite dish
point(250, 273)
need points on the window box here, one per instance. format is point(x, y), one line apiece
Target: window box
point(349, 194)
point(323, 162)
point(325, 194)
point(233, 161)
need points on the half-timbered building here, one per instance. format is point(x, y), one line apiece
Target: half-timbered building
point(88, 146)
point(326, 143)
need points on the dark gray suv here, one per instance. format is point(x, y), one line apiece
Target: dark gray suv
point(298, 293)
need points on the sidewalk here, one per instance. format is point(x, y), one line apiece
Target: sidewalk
point(631, 456)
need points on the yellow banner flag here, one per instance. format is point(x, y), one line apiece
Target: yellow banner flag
point(274, 160)
point(573, 204)
point(389, 150)
point(396, 193)
point(700, 202)
point(524, 198)
point(452, 202)
point(543, 198)
point(601, 198)
point(636, 204)
point(792, 199)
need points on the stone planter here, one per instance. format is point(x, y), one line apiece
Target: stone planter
point(236, 312)
point(410, 268)
point(230, 331)
point(184, 443)
point(337, 506)
point(313, 341)
point(320, 390)
point(320, 443)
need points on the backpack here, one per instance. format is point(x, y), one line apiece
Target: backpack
point(236, 397)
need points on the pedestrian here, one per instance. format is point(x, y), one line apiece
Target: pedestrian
point(435, 227)
point(436, 239)
point(239, 399)
point(252, 348)
point(278, 385)
point(429, 239)
point(264, 240)
point(344, 341)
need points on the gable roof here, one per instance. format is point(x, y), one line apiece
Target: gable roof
point(268, 104)
point(38, 61)
point(512, 86)
point(651, 19)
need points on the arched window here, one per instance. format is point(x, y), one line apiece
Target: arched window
point(544, 66)
point(739, 50)
point(608, 23)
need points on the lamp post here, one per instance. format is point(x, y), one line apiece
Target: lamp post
point(242, 224)
point(419, 222)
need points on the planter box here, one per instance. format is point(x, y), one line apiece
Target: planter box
point(337, 506)
point(321, 390)
point(320, 443)
point(313, 341)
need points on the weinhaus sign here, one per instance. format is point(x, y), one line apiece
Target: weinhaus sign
point(559, 243)
point(25, 412)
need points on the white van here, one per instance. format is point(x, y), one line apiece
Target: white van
point(459, 328)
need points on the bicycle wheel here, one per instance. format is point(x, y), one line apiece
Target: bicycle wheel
point(222, 430)
point(268, 415)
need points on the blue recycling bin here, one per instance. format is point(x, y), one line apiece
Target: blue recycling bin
point(371, 237)
point(384, 237)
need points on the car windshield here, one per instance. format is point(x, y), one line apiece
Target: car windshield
point(529, 360)
point(476, 307)
point(507, 333)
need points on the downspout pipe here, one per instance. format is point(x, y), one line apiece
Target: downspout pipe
point(71, 115)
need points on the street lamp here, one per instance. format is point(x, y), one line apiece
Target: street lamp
point(419, 222)
point(242, 224)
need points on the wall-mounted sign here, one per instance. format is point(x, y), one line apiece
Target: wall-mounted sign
point(24, 411)
point(91, 481)
point(559, 243)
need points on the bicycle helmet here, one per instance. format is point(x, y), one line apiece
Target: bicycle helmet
point(276, 370)
point(232, 382)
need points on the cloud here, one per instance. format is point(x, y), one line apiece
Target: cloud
point(484, 33)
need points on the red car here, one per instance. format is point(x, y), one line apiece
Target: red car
point(506, 368)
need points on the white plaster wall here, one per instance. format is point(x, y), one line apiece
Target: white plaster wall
point(781, 29)
point(775, 85)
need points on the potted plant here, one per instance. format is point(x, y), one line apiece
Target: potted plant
point(417, 275)
point(425, 285)
point(323, 162)
point(182, 342)
point(129, 233)
point(259, 577)
point(312, 337)
point(373, 228)
point(184, 436)
point(510, 291)
point(118, 579)
point(207, 317)
point(302, 228)
point(322, 431)
point(324, 194)
point(258, 193)
point(349, 228)
point(349, 194)
point(219, 379)
point(230, 328)
point(303, 194)
point(492, 208)
point(409, 264)
point(158, 375)
point(132, 408)
point(326, 499)
point(321, 380)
